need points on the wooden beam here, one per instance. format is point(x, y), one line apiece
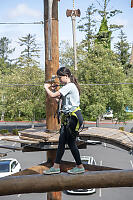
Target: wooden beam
point(65, 165)
point(52, 183)
point(11, 147)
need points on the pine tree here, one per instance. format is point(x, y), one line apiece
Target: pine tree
point(31, 51)
point(105, 31)
point(5, 51)
point(122, 48)
point(88, 25)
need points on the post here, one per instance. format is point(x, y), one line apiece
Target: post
point(51, 66)
point(73, 13)
point(74, 41)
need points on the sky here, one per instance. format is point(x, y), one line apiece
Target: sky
point(32, 11)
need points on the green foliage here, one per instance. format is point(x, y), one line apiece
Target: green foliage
point(5, 51)
point(3, 131)
point(101, 66)
point(30, 53)
point(122, 48)
point(25, 101)
point(104, 35)
point(87, 24)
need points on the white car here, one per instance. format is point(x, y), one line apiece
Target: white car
point(108, 115)
point(85, 160)
point(9, 166)
point(92, 142)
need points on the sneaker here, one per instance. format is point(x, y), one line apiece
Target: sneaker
point(76, 170)
point(52, 170)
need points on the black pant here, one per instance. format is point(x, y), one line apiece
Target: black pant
point(67, 138)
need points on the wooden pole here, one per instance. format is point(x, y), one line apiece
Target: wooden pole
point(50, 183)
point(131, 3)
point(51, 66)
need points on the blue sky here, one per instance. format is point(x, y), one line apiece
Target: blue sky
point(32, 11)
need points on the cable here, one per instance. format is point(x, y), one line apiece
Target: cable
point(3, 23)
point(91, 84)
point(107, 84)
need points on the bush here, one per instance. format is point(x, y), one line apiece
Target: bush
point(3, 131)
point(15, 131)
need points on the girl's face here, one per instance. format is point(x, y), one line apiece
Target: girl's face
point(64, 79)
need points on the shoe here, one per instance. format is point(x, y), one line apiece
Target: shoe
point(76, 170)
point(52, 170)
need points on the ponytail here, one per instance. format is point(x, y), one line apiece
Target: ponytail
point(74, 80)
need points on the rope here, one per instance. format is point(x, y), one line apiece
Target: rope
point(73, 5)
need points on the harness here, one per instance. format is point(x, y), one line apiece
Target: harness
point(65, 118)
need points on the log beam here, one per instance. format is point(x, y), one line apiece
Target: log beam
point(52, 183)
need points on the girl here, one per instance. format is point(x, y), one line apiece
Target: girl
point(71, 119)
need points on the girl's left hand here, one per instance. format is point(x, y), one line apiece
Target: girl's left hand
point(47, 85)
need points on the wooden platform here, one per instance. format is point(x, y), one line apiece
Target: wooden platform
point(39, 134)
point(115, 137)
point(39, 139)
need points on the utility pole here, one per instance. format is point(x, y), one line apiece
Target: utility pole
point(73, 14)
point(51, 66)
point(51, 57)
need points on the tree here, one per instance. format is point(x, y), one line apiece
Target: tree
point(27, 101)
point(31, 51)
point(122, 48)
point(88, 25)
point(108, 14)
point(5, 51)
point(101, 66)
point(105, 31)
point(104, 34)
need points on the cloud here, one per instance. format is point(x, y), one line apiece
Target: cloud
point(23, 10)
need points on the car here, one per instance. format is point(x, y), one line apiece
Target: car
point(108, 115)
point(82, 191)
point(93, 142)
point(85, 160)
point(9, 166)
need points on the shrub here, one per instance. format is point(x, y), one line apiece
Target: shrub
point(3, 131)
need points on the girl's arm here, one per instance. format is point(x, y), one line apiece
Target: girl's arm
point(49, 92)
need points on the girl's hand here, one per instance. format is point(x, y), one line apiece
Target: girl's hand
point(47, 85)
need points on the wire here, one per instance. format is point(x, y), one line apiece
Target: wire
point(107, 84)
point(91, 84)
point(3, 23)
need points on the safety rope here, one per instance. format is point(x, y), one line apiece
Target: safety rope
point(73, 5)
